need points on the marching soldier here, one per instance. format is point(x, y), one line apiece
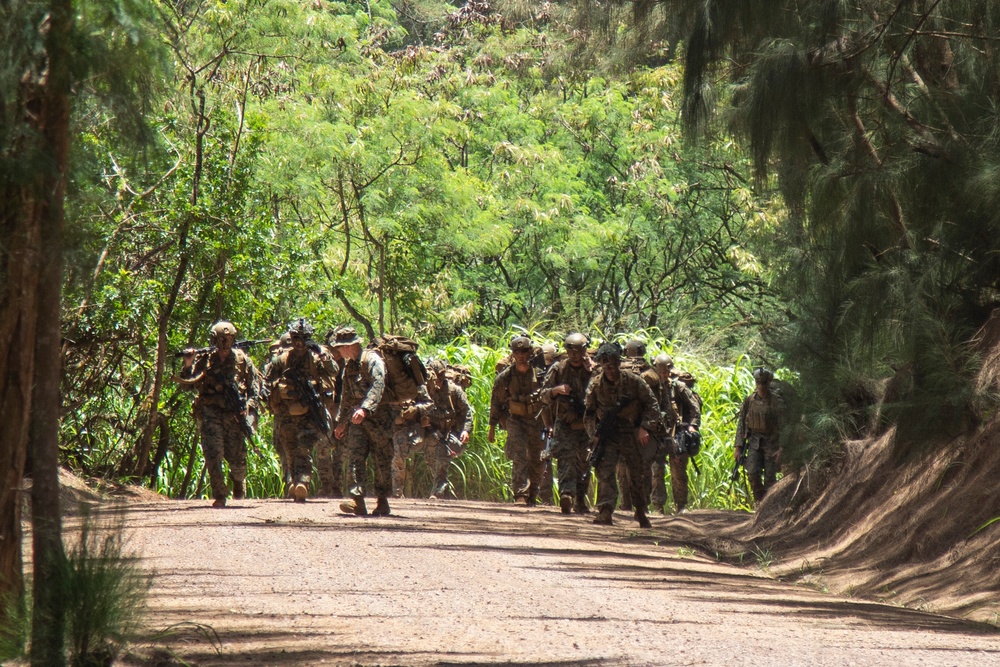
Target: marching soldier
point(514, 406)
point(226, 380)
point(757, 434)
point(620, 413)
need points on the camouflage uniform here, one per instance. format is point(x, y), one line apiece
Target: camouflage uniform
point(300, 432)
point(278, 421)
point(514, 406)
point(671, 395)
point(758, 429)
point(364, 385)
point(641, 411)
point(408, 438)
point(449, 414)
point(329, 453)
point(221, 433)
point(635, 363)
point(570, 442)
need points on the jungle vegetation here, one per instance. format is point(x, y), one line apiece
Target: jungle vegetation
point(811, 184)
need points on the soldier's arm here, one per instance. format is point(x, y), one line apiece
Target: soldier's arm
point(741, 424)
point(590, 407)
point(550, 381)
point(463, 410)
point(498, 398)
point(650, 415)
point(376, 371)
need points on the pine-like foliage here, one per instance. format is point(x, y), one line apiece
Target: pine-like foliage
point(877, 119)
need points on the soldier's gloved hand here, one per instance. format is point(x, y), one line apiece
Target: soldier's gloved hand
point(409, 413)
point(189, 356)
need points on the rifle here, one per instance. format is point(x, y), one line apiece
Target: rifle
point(740, 462)
point(547, 436)
point(310, 397)
point(239, 345)
point(689, 442)
point(604, 430)
point(237, 404)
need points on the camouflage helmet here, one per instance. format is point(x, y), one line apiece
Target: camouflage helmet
point(686, 378)
point(437, 367)
point(576, 340)
point(549, 353)
point(762, 375)
point(520, 343)
point(221, 328)
point(300, 328)
point(635, 348)
point(608, 352)
point(664, 361)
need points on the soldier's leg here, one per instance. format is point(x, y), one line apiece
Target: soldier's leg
point(323, 457)
point(771, 465)
point(357, 450)
point(439, 462)
point(545, 489)
point(516, 450)
point(638, 469)
point(658, 470)
point(679, 480)
point(607, 482)
point(625, 484)
point(279, 441)
point(379, 431)
point(337, 470)
point(755, 468)
point(235, 451)
point(401, 451)
point(213, 447)
point(533, 453)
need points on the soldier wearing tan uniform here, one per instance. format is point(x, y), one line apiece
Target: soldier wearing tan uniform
point(515, 406)
point(758, 430)
point(226, 380)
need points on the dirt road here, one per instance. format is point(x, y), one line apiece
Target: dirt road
point(464, 583)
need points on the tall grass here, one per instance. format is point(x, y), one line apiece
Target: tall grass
point(105, 591)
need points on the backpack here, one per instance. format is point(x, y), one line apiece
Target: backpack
point(405, 373)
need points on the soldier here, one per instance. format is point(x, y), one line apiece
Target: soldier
point(299, 378)
point(330, 451)
point(563, 392)
point(283, 344)
point(514, 406)
point(364, 422)
point(672, 395)
point(620, 412)
point(225, 379)
point(549, 353)
point(635, 362)
point(758, 432)
point(448, 424)
point(408, 437)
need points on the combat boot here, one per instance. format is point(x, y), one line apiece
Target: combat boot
point(566, 504)
point(381, 507)
point(354, 506)
point(580, 506)
point(219, 502)
point(300, 492)
point(604, 517)
point(239, 489)
point(643, 520)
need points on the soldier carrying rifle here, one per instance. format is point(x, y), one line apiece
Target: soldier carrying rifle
point(757, 434)
point(227, 384)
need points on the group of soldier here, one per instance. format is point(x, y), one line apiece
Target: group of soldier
point(609, 411)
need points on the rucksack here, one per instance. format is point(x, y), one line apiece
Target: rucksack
point(405, 373)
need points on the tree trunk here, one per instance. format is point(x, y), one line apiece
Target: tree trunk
point(48, 611)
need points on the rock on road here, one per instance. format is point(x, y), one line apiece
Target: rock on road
point(269, 582)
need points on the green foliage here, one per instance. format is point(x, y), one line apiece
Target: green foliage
point(15, 632)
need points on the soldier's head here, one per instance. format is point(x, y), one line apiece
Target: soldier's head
point(576, 347)
point(222, 335)
point(520, 347)
point(346, 343)
point(663, 363)
point(635, 349)
point(762, 377)
point(299, 333)
point(549, 353)
point(609, 356)
point(438, 370)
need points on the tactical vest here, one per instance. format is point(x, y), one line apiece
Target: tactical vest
point(762, 415)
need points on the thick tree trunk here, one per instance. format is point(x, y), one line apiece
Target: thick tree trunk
point(19, 257)
point(48, 611)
